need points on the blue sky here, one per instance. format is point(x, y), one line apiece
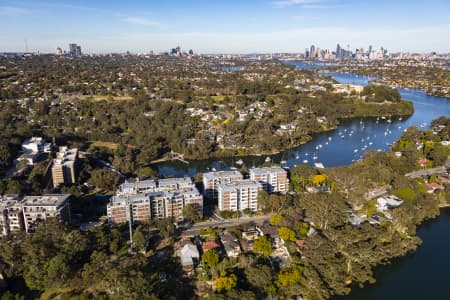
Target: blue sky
point(230, 26)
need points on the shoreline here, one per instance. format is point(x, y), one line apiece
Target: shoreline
point(309, 136)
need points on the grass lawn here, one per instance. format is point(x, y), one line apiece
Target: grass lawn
point(109, 145)
point(108, 98)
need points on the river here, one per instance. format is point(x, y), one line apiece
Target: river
point(338, 147)
point(420, 275)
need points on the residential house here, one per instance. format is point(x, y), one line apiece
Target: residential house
point(388, 203)
point(210, 245)
point(248, 238)
point(189, 256)
point(272, 232)
point(231, 244)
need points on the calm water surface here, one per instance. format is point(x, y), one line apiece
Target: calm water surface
point(424, 274)
point(338, 147)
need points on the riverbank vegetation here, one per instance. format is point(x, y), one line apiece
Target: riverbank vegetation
point(172, 104)
point(327, 254)
point(433, 79)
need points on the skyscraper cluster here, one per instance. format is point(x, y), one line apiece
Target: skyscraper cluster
point(342, 53)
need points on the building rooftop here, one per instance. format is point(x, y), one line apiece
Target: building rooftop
point(174, 181)
point(136, 184)
point(45, 200)
point(262, 171)
point(246, 183)
point(65, 156)
point(221, 174)
point(8, 200)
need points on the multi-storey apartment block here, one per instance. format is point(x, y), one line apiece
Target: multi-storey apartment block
point(153, 199)
point(273, 180)
point(37, 209)
point(212, 180)
point(34, 149)
point(64, 169)
point(11, 218)
point(237, 196)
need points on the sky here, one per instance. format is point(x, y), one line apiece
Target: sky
point(229, 26)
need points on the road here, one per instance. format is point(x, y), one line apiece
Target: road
point(195, 229)
point(426, 172)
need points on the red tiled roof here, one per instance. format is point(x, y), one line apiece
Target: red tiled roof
point(208, 245)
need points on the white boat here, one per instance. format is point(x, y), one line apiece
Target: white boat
point(305, 161)
point(233, 168)
point(239, 162)
point(268, 159)
point(319, 165)
point(213, 169)
point(315, 158)
point(400, 118)
point(283, 162)
point(356, 150)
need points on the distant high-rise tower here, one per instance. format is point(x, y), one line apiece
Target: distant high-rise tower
point(74, 50)
point(59, 51)
point(338, 51)
point(312, 51)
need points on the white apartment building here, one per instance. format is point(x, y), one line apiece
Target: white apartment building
point(273, 180)
point(33, 149)
point(237, 196)
point(64, 168)
point(153, 199)
point(11, 218)
point(38, 209)
point(212, 180)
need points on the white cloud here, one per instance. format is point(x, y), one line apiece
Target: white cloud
point(285, 3)
point(13, 11)
point(141, 21)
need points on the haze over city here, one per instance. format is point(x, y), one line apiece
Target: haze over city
point(225, 26)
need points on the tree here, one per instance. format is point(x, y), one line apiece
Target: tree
point(319, 179)
point(139, 239)
point(191, 213)
point(275, 220)
point(104, 179)
point(287, 234)
point(58, 270)
point(263, 246)
point(302, 229)
point(289, 277)
point(226, 283)
point(210, 259)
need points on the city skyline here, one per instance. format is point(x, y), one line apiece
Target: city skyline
point(224, 27)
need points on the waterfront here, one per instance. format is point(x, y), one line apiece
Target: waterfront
point(338, 147)
point(420, 275)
